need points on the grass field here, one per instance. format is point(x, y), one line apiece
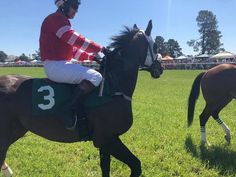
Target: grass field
point(159, 137)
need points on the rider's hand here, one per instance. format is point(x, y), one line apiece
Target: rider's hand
point(106, 51)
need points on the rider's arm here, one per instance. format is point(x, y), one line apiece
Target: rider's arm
point(84, 48)
point(69, 36)
point(81, 55)
point(79, 41)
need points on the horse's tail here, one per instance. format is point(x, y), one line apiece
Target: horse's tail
point(193, 96)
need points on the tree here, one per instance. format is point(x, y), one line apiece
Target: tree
point(209, 41)
point(173, 48)
point(36, 55)
point(3, 56)
point(160, 41)
point(23, 57)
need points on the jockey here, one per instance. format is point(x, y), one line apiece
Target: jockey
point(59, 43)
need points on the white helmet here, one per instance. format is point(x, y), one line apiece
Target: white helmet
point(59, 3)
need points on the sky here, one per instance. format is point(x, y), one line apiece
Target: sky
point(20, 21)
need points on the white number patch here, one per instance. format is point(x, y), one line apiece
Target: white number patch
point(49, 97)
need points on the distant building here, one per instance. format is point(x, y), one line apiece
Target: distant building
point(11, 58)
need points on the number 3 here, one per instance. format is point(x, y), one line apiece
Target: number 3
point(49, 97)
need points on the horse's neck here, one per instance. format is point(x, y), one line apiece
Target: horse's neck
point(122, 80)
point(130, 75)
point(125, 73)
point(128, 81)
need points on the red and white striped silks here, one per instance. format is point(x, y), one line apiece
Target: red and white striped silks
point(58, 41)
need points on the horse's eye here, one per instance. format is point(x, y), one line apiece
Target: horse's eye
point(155, 48)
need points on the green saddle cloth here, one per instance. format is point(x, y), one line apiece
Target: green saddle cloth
point(50, 98)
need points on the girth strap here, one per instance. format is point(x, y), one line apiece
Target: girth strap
point(124, 95)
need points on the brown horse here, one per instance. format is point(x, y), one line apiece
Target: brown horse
point(218, 89)
point(106, 122)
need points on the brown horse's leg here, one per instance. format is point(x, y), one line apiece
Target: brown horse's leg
point(118, 150)
point(225, 128)
point(4, 145)
point(4, 140)
point(215, 115)
point(10, 131)
point(3, 153)
point(6, 170)
point(206, 113)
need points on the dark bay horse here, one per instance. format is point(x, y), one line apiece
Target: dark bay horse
point(107, 122)
point(218, 88)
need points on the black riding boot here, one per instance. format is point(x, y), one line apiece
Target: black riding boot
point(81, 92)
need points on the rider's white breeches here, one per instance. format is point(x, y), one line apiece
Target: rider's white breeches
point(71, 73)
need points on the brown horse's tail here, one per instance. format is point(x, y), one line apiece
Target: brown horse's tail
point(193, 96)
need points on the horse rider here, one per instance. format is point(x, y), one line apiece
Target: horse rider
point(59, 43)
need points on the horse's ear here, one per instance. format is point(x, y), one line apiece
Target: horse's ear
point(149, 28)
point(135, 27)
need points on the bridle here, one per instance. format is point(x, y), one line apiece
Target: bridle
point(150, 63)
point(150, 50)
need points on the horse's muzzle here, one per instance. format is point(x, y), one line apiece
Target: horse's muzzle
point(156, 69)
point(155, 74)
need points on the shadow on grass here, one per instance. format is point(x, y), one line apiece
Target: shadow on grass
point(219, 157)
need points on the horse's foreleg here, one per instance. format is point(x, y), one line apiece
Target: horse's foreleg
point(219, 121)
point(225, 128)
point(118, 150)
point(6, 170)
point(105, 160)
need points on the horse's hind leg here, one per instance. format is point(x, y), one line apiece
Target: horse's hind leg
point(118, 150)
point(215, 115)
point(4, 145)
point(224, 126)
point(6, 170)
point(4, 140)
point(9, 133)
point(206, 113)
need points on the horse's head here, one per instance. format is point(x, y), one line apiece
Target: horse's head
point(134, 49)
point(148, 52)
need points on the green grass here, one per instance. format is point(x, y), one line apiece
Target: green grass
point(159, 137)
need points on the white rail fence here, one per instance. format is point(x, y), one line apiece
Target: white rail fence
point(178, 66)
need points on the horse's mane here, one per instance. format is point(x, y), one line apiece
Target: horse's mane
point(122, 40)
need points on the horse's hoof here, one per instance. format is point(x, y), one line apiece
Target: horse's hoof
point(228, 138)
point(7, 172)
